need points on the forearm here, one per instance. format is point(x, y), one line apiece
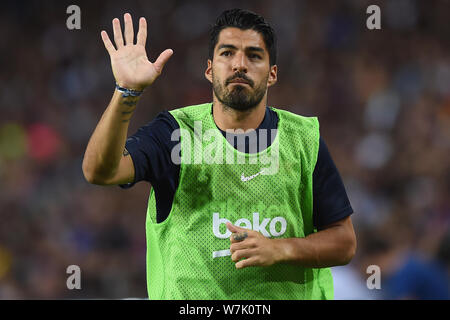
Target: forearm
point(107, 143)
point(330, 247)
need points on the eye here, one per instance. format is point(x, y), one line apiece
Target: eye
point(254, 56)
point(226, 53)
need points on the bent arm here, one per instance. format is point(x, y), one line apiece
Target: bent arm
point(332, 246)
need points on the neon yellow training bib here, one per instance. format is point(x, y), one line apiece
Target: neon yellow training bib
point(270, 192)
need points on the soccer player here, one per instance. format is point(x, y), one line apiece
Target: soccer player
point(267, 227)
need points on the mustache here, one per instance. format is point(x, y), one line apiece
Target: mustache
point(242, 76)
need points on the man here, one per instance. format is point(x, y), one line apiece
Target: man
point(290, 212)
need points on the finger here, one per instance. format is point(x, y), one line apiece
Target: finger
point(118, 38)
point(162, 59)
point(247, 244)
point(235, 229)
point(239, 233)
point(250, 262)
point(238, 237)
point(242, 254)
point(142, 33)
point(107, 42)
point(129, 31)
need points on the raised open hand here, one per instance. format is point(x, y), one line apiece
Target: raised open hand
point(130, 65)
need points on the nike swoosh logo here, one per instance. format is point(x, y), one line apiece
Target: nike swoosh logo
point(245, 179)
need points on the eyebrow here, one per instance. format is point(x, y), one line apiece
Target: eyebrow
point(230, 46)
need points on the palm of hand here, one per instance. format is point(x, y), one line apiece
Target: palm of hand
point(130, 65)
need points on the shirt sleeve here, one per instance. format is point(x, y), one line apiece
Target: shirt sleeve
point(150, 149)
point(330, 200)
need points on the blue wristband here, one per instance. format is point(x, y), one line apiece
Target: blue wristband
point(128, 92)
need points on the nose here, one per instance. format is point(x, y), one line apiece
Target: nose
point(239, 63)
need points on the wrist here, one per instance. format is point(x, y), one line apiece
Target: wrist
point(286, 250)
point(129, 91)
point(125, 104)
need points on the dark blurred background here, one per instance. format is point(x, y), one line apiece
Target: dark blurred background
point(382, 98)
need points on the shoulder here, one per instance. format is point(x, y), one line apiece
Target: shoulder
point(191, 112)
point(291, 120)
point(162, 122)
point(300, 131)
point(155, 133)
point(325, 164)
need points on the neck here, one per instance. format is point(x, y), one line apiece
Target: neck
point(228, 118)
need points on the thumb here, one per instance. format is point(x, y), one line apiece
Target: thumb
point(162, 59)
point(235, 229)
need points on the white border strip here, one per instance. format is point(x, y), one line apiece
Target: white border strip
point(221, 253)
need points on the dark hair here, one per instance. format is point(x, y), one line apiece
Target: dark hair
point(244, 20)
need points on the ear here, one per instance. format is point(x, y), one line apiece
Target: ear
point(208, 72)
point(272, 76)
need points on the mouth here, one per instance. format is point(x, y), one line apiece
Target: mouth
point(239, 81)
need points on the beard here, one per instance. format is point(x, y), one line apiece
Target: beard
point(239, 97)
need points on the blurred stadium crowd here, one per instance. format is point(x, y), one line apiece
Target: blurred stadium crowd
point(382, 98)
